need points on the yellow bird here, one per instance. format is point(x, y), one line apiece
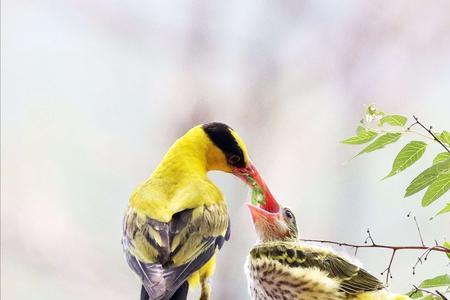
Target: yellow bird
point(177, 219)
point(280, 267)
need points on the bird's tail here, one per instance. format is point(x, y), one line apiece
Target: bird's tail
point(182, 292)
point(144, 294)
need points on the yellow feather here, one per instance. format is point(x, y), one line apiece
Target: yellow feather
point(381, 295)
point(143, 250)
point(241, 145)
point(180, 182)
point(203, 273)
point(208, 269)
point(194, 280)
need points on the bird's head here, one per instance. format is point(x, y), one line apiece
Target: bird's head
point(229, 154)
point(274, 226)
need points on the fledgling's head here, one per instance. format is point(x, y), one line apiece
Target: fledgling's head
point(274, 226)
point(228, 153)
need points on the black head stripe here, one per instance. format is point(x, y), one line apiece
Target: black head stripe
point(220, 135)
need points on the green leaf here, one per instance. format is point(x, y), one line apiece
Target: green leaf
point(407, 156)
point(380, 142)
point(438, 281)
point(425, 178)
point(447, 243)
point(441, 157)
point(445, 137)
point(360, 129)
point(363, 136)
point(394, 120)
point(415, 294)
point(430, 297)
point(445, 210)
point(257, 193)
point(419, 295)
point(438, 188)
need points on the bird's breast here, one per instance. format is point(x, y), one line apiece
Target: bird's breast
point(269, 279)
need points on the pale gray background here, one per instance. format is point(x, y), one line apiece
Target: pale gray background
point(94, 92)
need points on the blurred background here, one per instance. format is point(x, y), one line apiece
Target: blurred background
point(94, 92)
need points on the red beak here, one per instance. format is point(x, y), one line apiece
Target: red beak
point(260, 214)
point(270, 204)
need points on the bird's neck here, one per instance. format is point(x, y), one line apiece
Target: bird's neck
point(179, 182)
point(265, 242)
point(187, 157)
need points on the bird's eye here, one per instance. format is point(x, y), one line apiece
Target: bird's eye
point(289, 214)
point(233, 159)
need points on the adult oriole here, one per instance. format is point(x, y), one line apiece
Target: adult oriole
point(177, 219)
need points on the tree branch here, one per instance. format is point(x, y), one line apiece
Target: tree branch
point(429, 131)
point(394, 249)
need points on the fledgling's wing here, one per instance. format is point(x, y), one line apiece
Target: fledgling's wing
point(164, 255)
point(353, 280)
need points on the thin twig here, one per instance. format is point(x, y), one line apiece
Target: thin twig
point(418, 229)
point(417, 289)
point(441, 295)
point(388, 269)
point(394, 250)
point(429, 131)
point(424, 256)
point(369, 237)
point(433, 248)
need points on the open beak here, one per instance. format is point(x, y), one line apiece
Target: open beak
point(259, 214)
point(251, 176)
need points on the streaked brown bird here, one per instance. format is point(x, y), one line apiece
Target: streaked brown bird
point(281, 267)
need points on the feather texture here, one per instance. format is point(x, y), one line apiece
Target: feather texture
point(164, 255)
point(291, 270)
point(177, 219)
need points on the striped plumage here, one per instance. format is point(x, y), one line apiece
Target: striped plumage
point(281, 267)
point(296, 271)
point(177, 219)
point(180, 247)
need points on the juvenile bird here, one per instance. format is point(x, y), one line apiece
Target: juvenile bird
point(177, 219)
point(281, 267)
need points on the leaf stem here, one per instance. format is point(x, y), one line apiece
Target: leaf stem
point(418, 133)
point(399, 131)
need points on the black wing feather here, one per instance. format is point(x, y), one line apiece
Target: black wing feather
point(173, 251)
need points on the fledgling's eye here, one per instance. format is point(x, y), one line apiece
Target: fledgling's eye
point(289, 214)
point(233, 159)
